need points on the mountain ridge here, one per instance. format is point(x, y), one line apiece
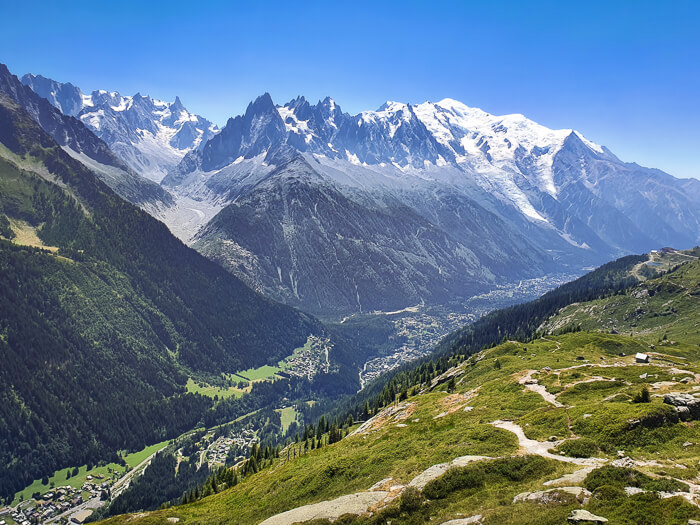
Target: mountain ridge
point(560, 200)
point(84, 145)
point(555, 194)
point(149, 135)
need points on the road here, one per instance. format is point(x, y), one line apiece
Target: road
point(123, 483)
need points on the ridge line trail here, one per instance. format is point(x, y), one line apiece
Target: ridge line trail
point(634, 272)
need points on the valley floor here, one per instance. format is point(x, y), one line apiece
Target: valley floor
point(418, 329)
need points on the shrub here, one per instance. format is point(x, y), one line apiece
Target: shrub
point(519, 468)
point(468, 477)
point(513, 469)
point(666, 485)
point(578, 448)
point(642, 397)
point(411, 500)
point(609, 493)
point(619, 477)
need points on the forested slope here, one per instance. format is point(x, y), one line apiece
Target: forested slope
point(104, 314)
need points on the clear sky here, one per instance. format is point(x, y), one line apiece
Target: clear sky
point(624, 73)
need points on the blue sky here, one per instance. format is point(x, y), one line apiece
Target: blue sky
point(626, 74)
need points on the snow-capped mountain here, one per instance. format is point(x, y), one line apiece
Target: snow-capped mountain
point(335, 212)
point(82, 144)
point(150, 136)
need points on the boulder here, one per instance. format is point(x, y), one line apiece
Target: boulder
point(623, 462)
point(473, 520)
point(558, 495)
point(583, 516)
point(684, 413)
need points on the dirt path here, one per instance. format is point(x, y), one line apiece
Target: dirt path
point(558, 343)
point(542, 448)
point(532, 385)
point(637, 268)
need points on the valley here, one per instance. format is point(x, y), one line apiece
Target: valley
point(417, 330)
point(538, 430)
point(264, 310)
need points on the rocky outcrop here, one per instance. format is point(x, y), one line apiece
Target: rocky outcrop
point(687, 406)
point(585, 517)
point(558, 495)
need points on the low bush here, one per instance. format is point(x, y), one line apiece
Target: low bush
point(519, 468)
point(411, 500)
point(609, 493)
point(468, 477)
point(642, 397)
point(619, 477)
point(666, 485)
point(578, 448)
point(513, 469)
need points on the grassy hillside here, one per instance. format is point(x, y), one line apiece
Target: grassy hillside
point(659, 310)
point(562, 420)
point(105, 315)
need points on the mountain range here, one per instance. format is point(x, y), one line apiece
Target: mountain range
point(112, 328)
point(337, 213)
point(150, 136)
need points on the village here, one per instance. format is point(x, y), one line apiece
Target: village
point(225, 450)
point(309, 360)
point(66, 504)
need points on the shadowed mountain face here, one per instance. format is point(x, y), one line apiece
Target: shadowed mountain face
point(337, 213)
point(297, 237)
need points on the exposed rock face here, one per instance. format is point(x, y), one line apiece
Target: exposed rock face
point(558, 495)
point(150, 136)
point(687, 406)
